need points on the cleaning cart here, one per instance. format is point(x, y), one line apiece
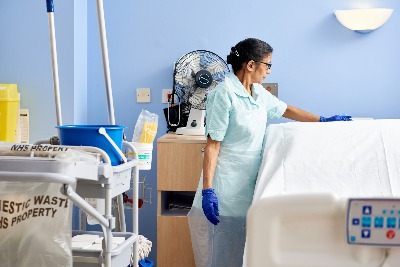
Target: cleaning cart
point(30, 174)
point(39, 183)
point(107, 137)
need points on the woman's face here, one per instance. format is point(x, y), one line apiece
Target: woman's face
point(262, 69)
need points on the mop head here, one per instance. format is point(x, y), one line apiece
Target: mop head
point(144, 248)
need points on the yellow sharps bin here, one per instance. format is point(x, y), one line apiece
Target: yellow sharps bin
point(9, 112)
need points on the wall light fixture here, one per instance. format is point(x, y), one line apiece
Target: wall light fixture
point(363, 20)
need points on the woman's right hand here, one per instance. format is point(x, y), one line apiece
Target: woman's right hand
point(210, 205)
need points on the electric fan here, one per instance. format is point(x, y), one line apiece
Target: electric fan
point(195, 74)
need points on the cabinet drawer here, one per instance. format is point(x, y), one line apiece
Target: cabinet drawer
point(179, 166)
point(174, 247)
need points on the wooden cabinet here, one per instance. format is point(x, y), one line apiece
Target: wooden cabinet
point(179, 165)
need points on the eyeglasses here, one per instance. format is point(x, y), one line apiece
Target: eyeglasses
point(269, 65)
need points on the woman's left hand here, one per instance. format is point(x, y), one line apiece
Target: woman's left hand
point(336, 118)
point(210, 205)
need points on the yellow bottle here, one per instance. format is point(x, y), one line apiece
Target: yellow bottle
point(9, 112)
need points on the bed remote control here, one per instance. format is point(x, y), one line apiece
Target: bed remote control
point(374, 221)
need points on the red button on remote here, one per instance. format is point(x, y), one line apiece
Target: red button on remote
point(390, 234)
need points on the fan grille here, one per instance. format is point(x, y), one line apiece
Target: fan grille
point(186, 68)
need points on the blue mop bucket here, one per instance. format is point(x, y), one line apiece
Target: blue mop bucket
point(88, 135)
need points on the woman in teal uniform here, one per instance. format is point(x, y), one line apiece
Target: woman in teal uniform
point(237, 113)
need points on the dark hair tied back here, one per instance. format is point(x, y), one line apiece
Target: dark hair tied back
point(246, 50)
point(234, 51)
point(233, 56)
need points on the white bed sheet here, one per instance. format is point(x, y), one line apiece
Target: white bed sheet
point(357, 158)
point(348, 159)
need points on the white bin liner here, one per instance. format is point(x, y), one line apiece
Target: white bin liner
point(35, 225)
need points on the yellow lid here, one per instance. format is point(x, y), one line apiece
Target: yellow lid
point(8, 92)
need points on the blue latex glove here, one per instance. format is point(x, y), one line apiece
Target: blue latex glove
point(210, 205)
point(336, 118)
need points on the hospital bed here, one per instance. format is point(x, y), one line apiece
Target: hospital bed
point(327, 195)
point(77, 173)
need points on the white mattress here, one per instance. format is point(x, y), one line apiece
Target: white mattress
point(357, 158)
point(287, 228)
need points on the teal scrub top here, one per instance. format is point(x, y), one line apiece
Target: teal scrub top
point(238, 120)
point(229, 110)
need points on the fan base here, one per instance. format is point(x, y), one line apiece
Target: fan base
point(194, 127)
point(188, 131)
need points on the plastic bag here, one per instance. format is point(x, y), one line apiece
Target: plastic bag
point(35, 225)
point(145, 128)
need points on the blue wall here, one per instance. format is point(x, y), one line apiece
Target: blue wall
point(25, 59)
point(320, 65)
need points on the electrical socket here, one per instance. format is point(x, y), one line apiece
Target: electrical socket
point(164, 96)
point(272, 88)
point(142, 95)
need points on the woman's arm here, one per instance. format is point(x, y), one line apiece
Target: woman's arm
point(297, 114)
point(210, 161)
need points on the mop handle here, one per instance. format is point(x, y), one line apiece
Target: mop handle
point(56, 83)
point(50, 5)
point(106, 67)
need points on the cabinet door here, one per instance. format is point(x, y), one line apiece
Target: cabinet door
point(174, 247)
point(179, 166)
